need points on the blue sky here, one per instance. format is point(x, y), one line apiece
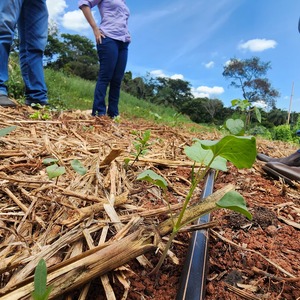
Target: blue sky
point(194, 39)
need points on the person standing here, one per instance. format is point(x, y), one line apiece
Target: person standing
point(31, 19)
point(112, 40)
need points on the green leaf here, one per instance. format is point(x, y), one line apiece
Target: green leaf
point(146, 135)
point(40, 278)
point(153, 178)
point(198, 154)
point(258, 114)
point(78, 167)
point(241, 151)
point(242, 104)
point(126, 161)
point(245, 104)
point(234, 102)
point(41, 291)
point(234, 201)
point(55, 171)
point(236, 127)
point(7, 130)
point(49, 161)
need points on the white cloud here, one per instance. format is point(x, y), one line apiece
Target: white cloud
point(75, 20)
point(177, 76)
point(257, 45)
point(260, 104)
point(71, 20)
point(207, 92)
point(160, 73)
point(227, 62)
point(209, 65)
point(199, 92)
point(56, 9)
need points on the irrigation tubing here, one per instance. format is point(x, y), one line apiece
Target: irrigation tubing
point(193, 277)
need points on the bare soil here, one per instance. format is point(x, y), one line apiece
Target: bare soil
point(258, 259)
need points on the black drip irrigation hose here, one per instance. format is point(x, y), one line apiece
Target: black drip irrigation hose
point(193, 277)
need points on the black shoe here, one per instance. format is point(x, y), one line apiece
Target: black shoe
point(288, 173)
point(6, 102)
point(292, 160)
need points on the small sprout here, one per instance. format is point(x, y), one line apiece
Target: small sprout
point(153, 178)
point(126, 163)
point(50, 161)
point(141, 144)
point(117, 119)
point(41, 291)
point(7, 130)
point(246, 107)
point(78, 167)
point(41, 113)
point(55, 171)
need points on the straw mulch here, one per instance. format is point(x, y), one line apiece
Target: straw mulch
point(82, 226)
point(98, 229)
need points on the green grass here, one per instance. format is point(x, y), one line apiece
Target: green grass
point(76, 93)
point(71, 92)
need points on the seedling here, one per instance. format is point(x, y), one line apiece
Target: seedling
point(246, 107)
point(240, 151)
point(42, 112)
point(78, 167)
point(141, 145)
point(41, 291)
point(53, 170)
point(117, 119)
point(7, 130)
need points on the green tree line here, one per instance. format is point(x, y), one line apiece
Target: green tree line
point(76, 55)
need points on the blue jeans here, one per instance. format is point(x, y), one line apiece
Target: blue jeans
point(113, 59)
point(31, 17)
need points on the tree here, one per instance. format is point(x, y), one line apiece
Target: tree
point(136, 87)
point(73, 54)
point(54, 46)
point(249, 76)
point(277, 116)
point(212, 106)
point(171, 92)
point(204, 110)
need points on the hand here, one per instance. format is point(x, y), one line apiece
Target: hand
point(98, 35)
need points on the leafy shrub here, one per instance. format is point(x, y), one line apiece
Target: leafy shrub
point(15, 82)
point(282, 133)
point(261, 131)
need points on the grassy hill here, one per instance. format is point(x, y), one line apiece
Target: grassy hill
point(76, 93)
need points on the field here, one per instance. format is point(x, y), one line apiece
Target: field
point(99, 232)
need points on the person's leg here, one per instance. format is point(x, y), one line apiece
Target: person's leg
point(9, 12)
point(108, 55)
point(33, 33)
point(115, 83)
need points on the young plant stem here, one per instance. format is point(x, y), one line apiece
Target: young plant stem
point(136, 157)
point(176, 227)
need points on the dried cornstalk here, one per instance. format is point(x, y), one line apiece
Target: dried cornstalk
point(79, 270)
